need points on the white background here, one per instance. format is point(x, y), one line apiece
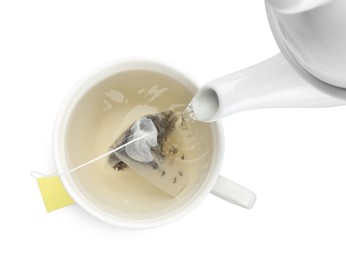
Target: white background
point(294, 159)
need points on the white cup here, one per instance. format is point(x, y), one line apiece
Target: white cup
point(179, 206)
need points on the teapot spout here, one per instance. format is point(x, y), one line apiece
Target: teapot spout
point(271, 83)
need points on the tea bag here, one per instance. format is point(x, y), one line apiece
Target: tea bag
point(152, 156)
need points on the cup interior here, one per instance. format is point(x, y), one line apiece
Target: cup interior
point(100, 108)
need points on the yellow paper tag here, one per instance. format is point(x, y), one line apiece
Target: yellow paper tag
point(53, 193)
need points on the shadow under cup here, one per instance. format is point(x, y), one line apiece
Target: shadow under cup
point(98, 110)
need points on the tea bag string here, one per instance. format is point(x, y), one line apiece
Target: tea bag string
point(36, 174)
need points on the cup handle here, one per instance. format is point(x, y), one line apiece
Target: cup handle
point(234, 193)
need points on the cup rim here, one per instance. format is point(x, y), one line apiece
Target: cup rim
point(59, 132)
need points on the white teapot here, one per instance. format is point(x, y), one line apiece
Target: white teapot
point(310, 71)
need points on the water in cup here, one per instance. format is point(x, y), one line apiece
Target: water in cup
point(106, 112)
